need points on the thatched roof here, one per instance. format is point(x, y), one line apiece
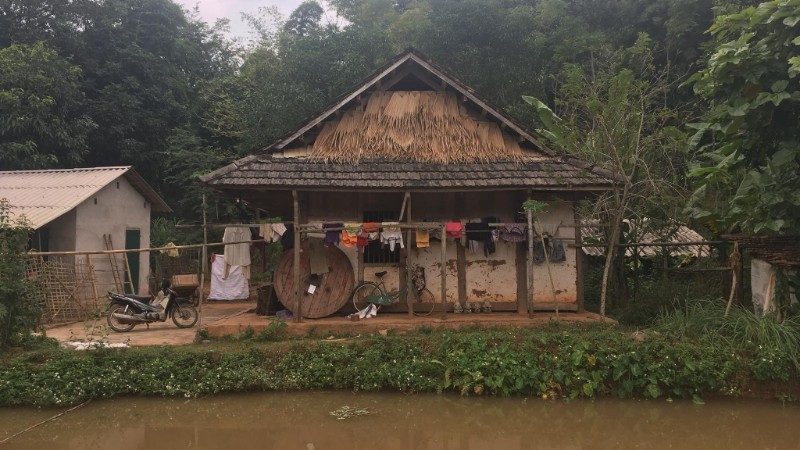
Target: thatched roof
point(423, 126)
point(411, 111)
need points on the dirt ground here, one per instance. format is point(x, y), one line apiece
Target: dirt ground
point(161, 333)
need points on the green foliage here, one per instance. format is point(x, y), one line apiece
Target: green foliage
point(748, 146)
point(18, 313)
point(553, 363)
point(742, 329)
point(42, 108)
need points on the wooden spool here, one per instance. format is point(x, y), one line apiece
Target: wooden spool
point(334, 289)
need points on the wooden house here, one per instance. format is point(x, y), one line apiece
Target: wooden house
point(412, 142)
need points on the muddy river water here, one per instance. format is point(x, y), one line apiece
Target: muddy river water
point(395, 421)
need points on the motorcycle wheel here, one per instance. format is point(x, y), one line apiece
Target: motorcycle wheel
point(184, 316)
point(115, 324)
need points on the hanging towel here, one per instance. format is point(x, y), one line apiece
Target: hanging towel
point(423, 239)
point(317, 260)
point(454, 229)
point(392, 235)
point(372, 229)
point(317, 234)
point(332, 232)
point(237, 254)
point(350, 234)
point(234, 286)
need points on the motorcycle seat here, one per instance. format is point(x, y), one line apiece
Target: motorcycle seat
point(141, 298)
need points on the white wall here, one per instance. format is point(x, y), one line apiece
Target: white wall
point(119, 206)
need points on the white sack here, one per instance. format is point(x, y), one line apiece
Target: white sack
point(234, 287)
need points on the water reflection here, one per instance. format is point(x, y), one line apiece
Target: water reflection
point(400, 422)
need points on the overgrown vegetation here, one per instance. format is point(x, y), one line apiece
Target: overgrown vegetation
point(742, 328)
point(18, 313)
point(554, 363)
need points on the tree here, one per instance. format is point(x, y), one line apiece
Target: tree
point(748, 147)
point(42, 123)
point(613, 116)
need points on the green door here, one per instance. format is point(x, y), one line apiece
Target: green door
point(132, 241)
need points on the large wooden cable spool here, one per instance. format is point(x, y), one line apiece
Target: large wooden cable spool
point(334, 289)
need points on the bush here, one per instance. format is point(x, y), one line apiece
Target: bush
point(557, 363)
point(18, 312)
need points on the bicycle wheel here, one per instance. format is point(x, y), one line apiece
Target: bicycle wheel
point(425, 303)
point(362, 291)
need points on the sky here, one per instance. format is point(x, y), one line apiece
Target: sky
point(211, 10)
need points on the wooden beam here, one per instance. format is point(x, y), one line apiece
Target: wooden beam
point(522, 278)
point(529, 218)
point(406, 268)
point(579, 262)
point(296, 265)
point(461, 267)
point(444, 272)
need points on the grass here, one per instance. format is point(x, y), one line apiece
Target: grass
point(742, 328)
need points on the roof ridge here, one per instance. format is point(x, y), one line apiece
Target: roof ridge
point(76, 169)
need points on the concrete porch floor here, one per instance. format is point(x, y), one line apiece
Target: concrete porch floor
point(231, 318)
point(398, 322)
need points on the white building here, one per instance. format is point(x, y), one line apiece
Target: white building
point(72, 210)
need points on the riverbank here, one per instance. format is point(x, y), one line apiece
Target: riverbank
point(552, 363)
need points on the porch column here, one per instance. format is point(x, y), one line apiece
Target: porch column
point(444, 271)
point(529, 217)
point(296, 265)
point(405, 266)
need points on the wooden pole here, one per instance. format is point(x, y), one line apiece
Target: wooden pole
point(579, 263)
point(296, 267)
point(407, 263)
point(203, 266)
point(461, 267)
point(529, 218)
point(550, 274)
point(444, 272)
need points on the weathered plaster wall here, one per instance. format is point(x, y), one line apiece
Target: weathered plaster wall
point(492, 278)
point(119, 207)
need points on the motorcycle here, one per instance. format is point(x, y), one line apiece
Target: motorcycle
point(125, 311)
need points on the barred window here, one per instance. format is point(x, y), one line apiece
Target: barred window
point(375, 252)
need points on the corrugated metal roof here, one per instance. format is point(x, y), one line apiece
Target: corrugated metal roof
point(675, 234)
point(44, 195)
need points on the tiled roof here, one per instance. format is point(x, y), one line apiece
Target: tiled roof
point(44, 195)
point(285, 172)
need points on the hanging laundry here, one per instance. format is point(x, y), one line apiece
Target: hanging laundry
point(362, 238)
point(372, 229)
point(316, 234)
point(538, 252)
point(237, 254)
point(350, 234)
point(423, 239)
point(317, 260)
point(392, 235)
point(454, 229)
point(171, 250)
point(558, 253)
point(513, 232)
point(271, 232)
point(332, 232)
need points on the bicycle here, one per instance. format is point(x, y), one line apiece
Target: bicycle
point(370, 292)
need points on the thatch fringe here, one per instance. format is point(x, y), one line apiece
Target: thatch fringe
point(422, 126)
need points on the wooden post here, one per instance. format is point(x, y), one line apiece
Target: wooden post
point(444, 271)
point(521, 264)
point(298, 317)
point(461, 267)
point(579, 263)
point(406, 266)
point(203, 266)
point(529, 217)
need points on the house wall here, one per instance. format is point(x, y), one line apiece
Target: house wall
point(492, 278)
point(119, 206)
point(61, 233)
